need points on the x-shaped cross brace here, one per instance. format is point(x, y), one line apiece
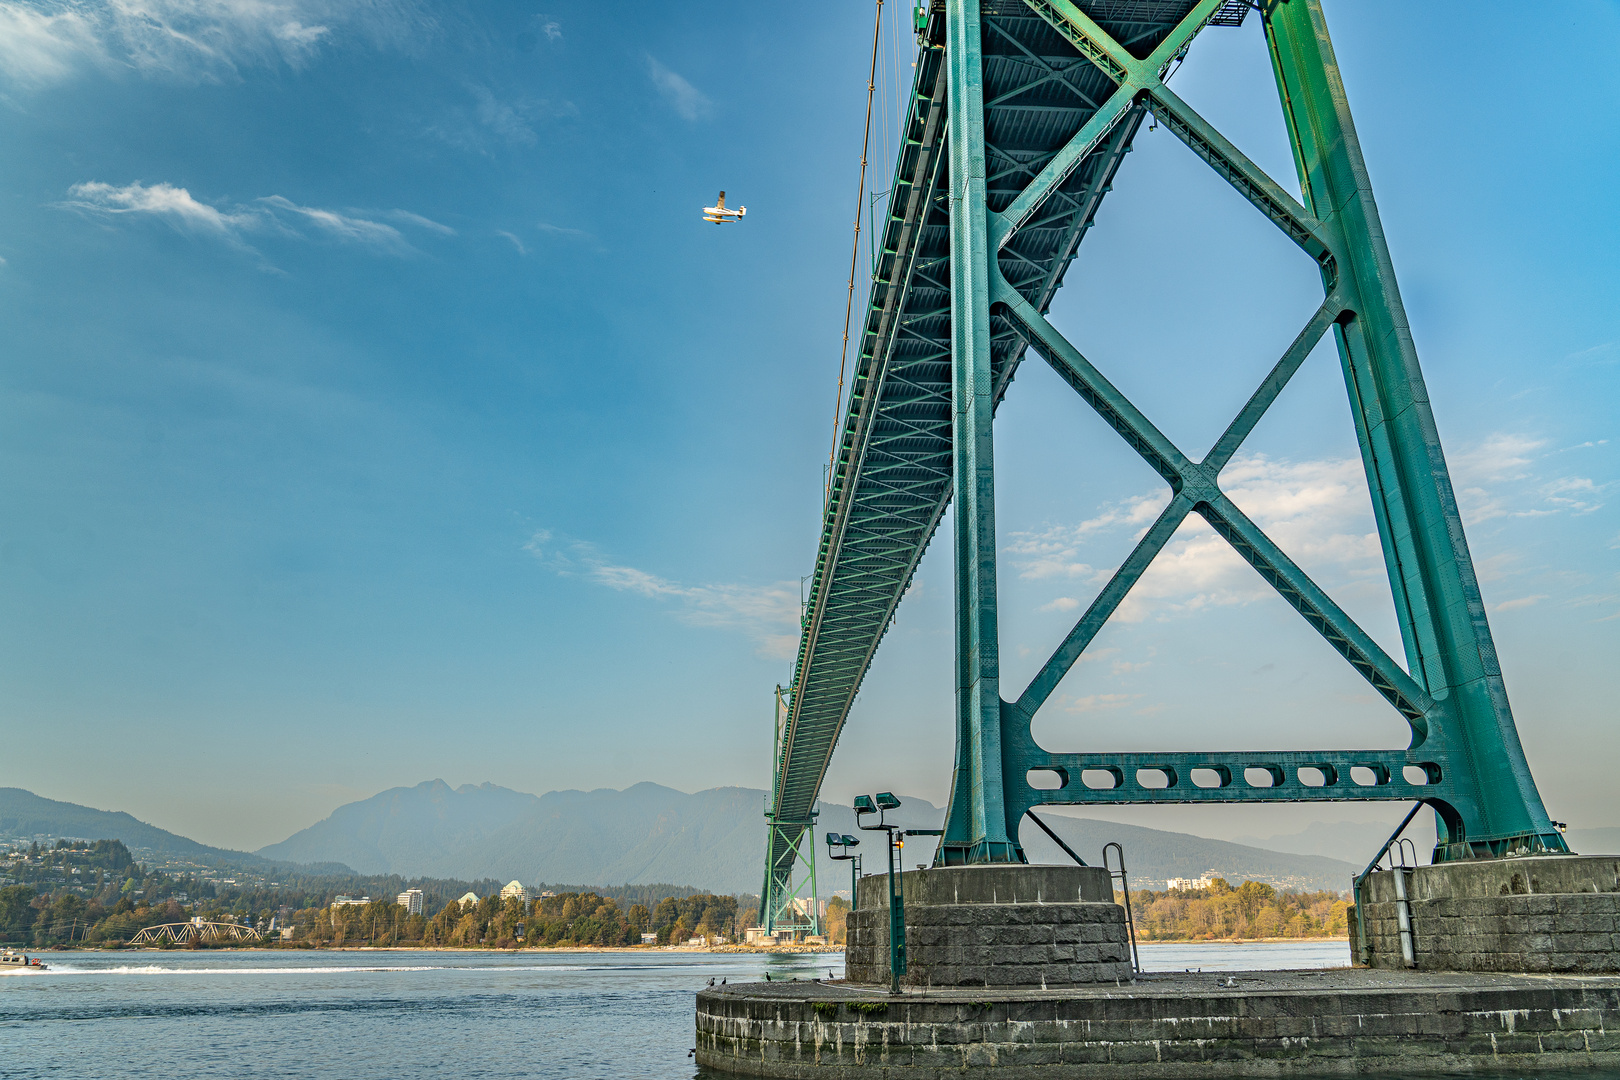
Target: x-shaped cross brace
point(1194, 484)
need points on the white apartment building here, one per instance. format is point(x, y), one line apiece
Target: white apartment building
point(412, 901)
point(1190, 884)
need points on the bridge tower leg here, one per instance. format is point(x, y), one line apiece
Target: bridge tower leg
point(1465, 759)
point(976, 822)
point(1448, 644)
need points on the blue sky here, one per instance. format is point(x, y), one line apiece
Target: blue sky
point(375, 406)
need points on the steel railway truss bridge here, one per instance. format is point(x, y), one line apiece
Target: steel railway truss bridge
point(1019, 117)
point(184, 933)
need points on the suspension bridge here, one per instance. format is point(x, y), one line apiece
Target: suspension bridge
point(1016, 124)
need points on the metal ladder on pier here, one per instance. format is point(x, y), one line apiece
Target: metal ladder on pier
point(1125, 890)
point(1399, 865)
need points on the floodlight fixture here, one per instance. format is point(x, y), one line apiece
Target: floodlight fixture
point(863, 805)
point(850, 841)
point(834, 840)
point(887, 801)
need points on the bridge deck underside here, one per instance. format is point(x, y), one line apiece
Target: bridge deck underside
point(891, 482)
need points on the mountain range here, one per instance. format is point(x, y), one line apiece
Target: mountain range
point(24, 815)
point(710, 839)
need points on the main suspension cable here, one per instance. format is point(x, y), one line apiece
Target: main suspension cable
point(854, 258)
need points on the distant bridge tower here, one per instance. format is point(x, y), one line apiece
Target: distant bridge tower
point(1044, 98)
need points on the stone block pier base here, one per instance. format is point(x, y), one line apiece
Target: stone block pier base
point(1544, 913)
point(1308, 1024)
point(1024, 971)
point(993, 926)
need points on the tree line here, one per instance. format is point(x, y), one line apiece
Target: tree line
point(1250, 910)
point(112, 898)
point(566, 919)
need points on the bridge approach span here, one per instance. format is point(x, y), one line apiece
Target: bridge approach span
point(891, 476)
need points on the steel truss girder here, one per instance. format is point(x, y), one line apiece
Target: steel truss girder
point(1464, 748)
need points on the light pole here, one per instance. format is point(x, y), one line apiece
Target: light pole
point(846, 841)
point(883, 802)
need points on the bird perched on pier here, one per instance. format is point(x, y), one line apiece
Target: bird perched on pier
point(711, 980)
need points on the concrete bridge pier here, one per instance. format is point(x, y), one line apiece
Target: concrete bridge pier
point(993, 925)
point(1023, 972)
point(1542, 913)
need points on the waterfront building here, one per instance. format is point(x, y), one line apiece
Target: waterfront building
point(514, 888)
point(1189, 884)
point(412, 901)
point(469, 900)
point(349, 901)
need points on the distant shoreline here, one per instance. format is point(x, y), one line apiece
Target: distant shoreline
point(807, 949)
point(751, 949)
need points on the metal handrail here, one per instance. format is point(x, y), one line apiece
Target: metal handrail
point(1362, 950)
point(1125, 888)
point(1056, 839)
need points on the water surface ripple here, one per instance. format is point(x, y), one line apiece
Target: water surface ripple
point(408, 1015)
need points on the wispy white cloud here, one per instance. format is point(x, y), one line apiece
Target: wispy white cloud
point(1054, 551)
point(1317, 511)
point(551, 28)
point(48, 41)
point(558, 230)
point(419, 221)
point(517, 243)
point(1505, 475)
point(490, 122)
point(40, 46)
point(343, 227)
point(172, 204)
point(270, 215)
point(1520, 602)
point(688, 101)
point(768, 613)
point(1603, 354)
point(1099, 702)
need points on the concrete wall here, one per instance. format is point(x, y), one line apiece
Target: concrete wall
point(1324, 1031)
point(993, 926)
point(991, 885)
point(1539, 914)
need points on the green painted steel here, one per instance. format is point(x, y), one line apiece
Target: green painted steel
point(987, 215)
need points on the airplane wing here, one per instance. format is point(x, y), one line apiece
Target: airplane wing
point(721, 205)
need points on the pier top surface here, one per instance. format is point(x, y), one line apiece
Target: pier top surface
point(1182, 984)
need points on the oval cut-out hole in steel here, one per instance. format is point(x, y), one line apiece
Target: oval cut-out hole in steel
point(1155, 778)
point(1262, 776)
point(1417, 775)
point(1368, 775)
point(1210, 778)
point(1312, 776)
point(1047, 779)
point(1101, 779)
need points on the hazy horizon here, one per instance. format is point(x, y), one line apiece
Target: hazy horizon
point(377, 407)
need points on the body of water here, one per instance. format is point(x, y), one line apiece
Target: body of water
point(408, 1015)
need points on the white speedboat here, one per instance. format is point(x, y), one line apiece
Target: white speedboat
point(13, 962)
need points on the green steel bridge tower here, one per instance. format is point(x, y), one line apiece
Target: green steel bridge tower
point(1019, 117)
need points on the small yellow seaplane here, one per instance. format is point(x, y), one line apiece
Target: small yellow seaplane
point(719, 215)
